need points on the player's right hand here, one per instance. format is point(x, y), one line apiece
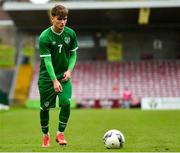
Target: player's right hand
point(57, 86)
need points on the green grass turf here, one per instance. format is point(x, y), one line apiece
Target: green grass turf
point(145, 131)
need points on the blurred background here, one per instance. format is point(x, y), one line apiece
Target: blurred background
point(129, 52)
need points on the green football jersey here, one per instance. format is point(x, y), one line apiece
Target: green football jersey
point(59, 46)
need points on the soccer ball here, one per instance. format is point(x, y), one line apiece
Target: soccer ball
point(113, 139)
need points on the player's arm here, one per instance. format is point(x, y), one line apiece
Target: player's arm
point(50, 70)
point(72, 62)
point(49, 67)
point(73, 57)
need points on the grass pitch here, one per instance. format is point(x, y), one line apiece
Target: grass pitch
point(145, 131)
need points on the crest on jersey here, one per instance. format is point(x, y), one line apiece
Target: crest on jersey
point(67, 40)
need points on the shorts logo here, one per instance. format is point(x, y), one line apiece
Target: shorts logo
point(46, 104)
point(67, 40)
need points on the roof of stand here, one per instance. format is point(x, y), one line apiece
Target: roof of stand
point(33, 18)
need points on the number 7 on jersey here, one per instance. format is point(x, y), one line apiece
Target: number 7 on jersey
point(60, 46)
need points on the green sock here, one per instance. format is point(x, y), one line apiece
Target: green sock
point(64, 115)
point(44, 119)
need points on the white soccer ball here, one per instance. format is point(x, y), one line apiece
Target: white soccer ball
point(113, 139)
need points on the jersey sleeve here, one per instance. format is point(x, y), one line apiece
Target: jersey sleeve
point(72, 60)
point(44, 47)
point(74, 45)
point(49, 67)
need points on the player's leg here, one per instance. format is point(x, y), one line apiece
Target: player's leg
point(64, 102)
point(44, 121)
point(47, 100)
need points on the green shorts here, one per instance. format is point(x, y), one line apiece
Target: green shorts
point(48, 95)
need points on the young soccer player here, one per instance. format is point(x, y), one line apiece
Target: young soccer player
point(58, 45)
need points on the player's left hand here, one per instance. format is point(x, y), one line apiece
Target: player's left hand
point(67, 75)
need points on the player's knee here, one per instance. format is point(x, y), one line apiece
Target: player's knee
point(65, 102)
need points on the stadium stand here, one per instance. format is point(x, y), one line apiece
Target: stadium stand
point(102, 81)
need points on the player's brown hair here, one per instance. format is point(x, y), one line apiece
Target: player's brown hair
point(60, 11)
